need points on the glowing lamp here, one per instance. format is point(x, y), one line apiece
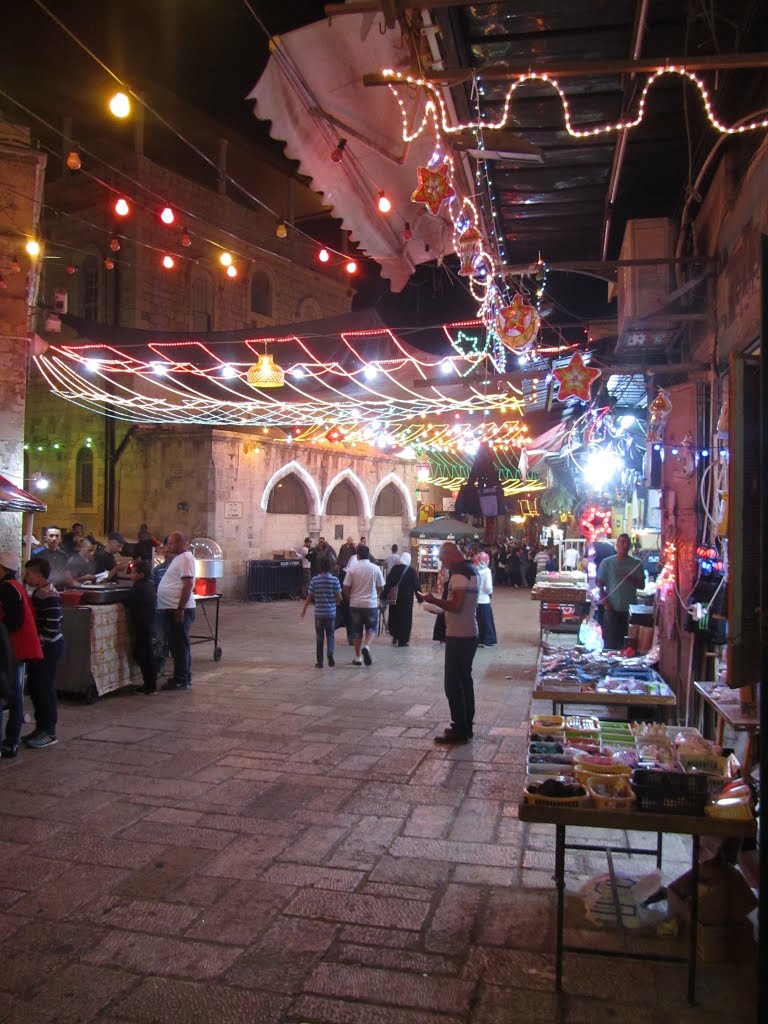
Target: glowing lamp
point(225, 259)
point(323, 255)
point(120, 105)
point(232, 271)
point(384, 204)
point(186, 240)
point(469, 247)
point(168, 262)
point(351, 267)
point(71, 269)
point(33, 248)
point(167, 215)
point(337, 154)
point(122, 209)
point(73, 161)
point(109, 264)
point(281, 230)
point(423, 471)
point(114, 244)
point(265, 373)
point(41, 483)
point(228, 372)
point(407, 232)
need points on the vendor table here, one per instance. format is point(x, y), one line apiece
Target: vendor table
point(97, 650)
point(741, 717)
point(630, 821)
point(211, 636)
point(561, 697)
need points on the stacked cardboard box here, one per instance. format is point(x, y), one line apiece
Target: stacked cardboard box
point(725, 899)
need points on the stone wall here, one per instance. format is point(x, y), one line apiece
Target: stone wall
point(21, 178)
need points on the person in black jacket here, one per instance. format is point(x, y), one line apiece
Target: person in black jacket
point(141, 614)
point(401, 578)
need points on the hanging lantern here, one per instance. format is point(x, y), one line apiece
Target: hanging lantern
point(470, 246)
point(658, 411)
point(265, 373)
point(335, 436)
point(73, 161)
point(575, 379)
point(114, 244)
point(423, 470)
point(434, 188)
point(517, 324)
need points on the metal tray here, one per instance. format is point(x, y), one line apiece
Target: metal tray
point(105, 593)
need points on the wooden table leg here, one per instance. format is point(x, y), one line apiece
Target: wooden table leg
point(560, 886)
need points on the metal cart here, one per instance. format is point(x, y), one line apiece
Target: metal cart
point(211, 622)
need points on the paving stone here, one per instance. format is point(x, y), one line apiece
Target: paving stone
point(156, 955)
point(284, 956)
point(475, 821)
point(511, 968)
point(72, 995)
point(140, 915)
point(391, 987)
point(300, 875)
point(429, 822)
point(515, 918)
point(459, 853)
point(380, 911)
point(397, 959)
point(61, 895)
point(8, 897)
point(178, 835)
point(161, 1001)
point(246, 857)
point(242, 914)
point(164, 874)
point(336, 1011)
point(453, 922)
point(496, 1005)
point(314, 845)
point(382, 938)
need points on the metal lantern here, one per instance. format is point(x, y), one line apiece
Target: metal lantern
point(265, 373)
point(469, 247)
point(423, 471)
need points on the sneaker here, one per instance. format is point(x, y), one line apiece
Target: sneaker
point(318, 664)
point(452, 738)
point(43, 739)
point(451, 729)
point(171, 684)
point(185, 686)
point(331, 662)
point(7, 750)
point(357, 661)
point(367, 656)
point(30, 736)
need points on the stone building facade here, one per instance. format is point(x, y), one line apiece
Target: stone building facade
point(21, 186)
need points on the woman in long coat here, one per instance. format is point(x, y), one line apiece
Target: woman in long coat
point(485, 625)
point(404, 577)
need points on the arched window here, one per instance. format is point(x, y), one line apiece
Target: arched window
point(261, 293)
point(308, 308)
point(342, 501)
point(84, 477)
point(289, 496)
point(389, 502)
point(201, 302)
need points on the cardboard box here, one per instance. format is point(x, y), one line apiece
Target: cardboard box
point(715, 943)
point(724, 896)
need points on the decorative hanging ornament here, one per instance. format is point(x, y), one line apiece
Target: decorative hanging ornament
point(334, 435)
point(74, 163)
point(434, 188)
point(469, 247)
point(575, 379)
point(658, 411)
point(522, 464)
point(517, 324)
point(265, 373)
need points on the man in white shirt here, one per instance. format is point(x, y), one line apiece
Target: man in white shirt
point(461, 639)
point(363, 583)
point(177, 603)
point(392, 559)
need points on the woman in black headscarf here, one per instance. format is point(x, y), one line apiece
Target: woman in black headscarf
point(403, 579)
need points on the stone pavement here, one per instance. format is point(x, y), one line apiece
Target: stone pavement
point(286, 844)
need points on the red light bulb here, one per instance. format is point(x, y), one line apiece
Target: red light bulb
point(338, 154)
point(167, 216)
point(186, 240)
point(109, 264)
point(168, 262)
point(407, 233)
point(351, 267)
point(323, 255)
point(114, 244)
point(122, 209)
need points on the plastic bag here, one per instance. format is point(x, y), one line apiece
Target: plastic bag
point(631, 894)
point(591, 635)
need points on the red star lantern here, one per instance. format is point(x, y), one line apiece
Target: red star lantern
point(434, 188)
point(517, 324)
point(575, 379)
point(334, 435)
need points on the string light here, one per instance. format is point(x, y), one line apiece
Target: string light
point(351, 267)
point(167, 215)
point(281, 230)
point(168, 262)
point(33, 248)
point(232, 271)
point(122, 209)
point(73, 161)
point(384, 204)
point(225, 259)
point(120, 105)
point(324, 256)
point(337, 154)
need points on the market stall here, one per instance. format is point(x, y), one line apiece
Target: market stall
point(643, 777)
point(97, 650)
point(564, 601)
point(429, 536)
point(569, 675)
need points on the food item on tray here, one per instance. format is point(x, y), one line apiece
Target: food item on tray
point(557, 788)
point(538, 747)
point(543, 737)
point(650, 730)
point(582, 723)
point(547, 722)
point(611, 786)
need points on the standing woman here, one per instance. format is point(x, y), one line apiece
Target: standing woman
point(403, 577)
point(485, 624)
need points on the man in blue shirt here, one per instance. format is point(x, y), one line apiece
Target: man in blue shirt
point(618, 578)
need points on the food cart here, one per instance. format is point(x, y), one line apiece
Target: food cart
point(427, 538)
point(564, 601)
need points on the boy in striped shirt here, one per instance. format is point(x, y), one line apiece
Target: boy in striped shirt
point(324, 590)
point(41, 675)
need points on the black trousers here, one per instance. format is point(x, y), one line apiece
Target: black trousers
point(615, 626)
point(41, 684)
point(144, 654)
point(459, 685)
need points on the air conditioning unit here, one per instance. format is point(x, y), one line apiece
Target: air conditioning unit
point(643, 291)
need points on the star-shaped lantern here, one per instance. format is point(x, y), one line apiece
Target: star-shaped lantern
point(517, 324)
point(575, 379)
point(434, 188)
point(334, 435)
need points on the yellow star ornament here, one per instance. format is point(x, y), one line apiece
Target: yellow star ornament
point(575, 379)
point(434, 188)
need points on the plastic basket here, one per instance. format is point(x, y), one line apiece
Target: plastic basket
point(736, 812)
point(670, 792)
point(554, 801)
point(710, 764)
point(614, 801)
point(547, 725)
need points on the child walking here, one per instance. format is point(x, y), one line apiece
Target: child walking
point(325, 591)
point(141, 613)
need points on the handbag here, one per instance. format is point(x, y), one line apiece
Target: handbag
point(393, 592)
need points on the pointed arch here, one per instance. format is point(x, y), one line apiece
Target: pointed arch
point(357, 484)
point(303, 475)
point(392, 478)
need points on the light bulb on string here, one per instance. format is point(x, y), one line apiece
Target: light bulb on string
point(168, 262)
point(281, 230)
point(351, 267)
point(73, 161)
point(186, 240)
point(120, 105)
point(122, 209)
point(337, 154)
point(384, 204)
point(407, 232)
point(232, 271)
point(114, 243)
point(225, 259)
point(324, 256)
point(109, 264)
point(71, 269)
point(167, 216)
point(33, 248)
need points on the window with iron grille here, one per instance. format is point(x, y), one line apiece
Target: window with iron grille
point(84, 477)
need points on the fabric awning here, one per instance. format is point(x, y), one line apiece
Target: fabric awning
point(13, 499)
point(312, 92)
point(442, 529)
